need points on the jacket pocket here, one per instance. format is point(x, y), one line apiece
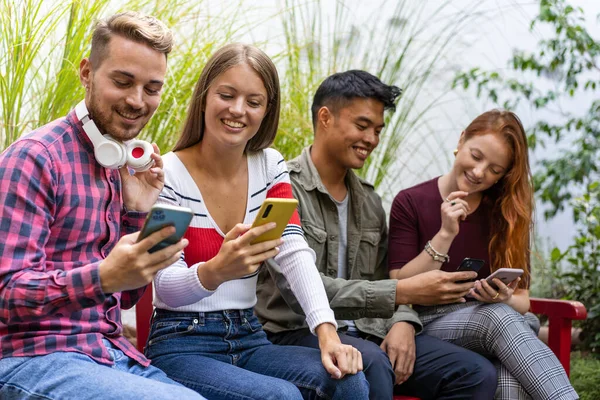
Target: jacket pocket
point(367, 253)
point(316, 239)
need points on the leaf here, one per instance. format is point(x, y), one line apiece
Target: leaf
point(555, 255)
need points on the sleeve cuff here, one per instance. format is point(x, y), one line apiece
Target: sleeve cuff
point(405, 314)
point(320, 317)
point(86, 286)
point(381, 297)
point(198, 287)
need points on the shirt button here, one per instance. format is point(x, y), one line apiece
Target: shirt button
point(330, 271)
point(112, 178)
point(125, 223)
point(109, 217)
point(332, 237)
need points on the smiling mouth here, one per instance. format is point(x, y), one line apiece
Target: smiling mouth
point(361, 151)
point(128, 115)
point(233, 124)
point(471, 180)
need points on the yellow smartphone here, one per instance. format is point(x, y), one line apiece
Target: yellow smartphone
point(274, 210)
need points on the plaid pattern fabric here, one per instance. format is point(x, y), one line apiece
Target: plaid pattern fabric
point(61, 215)
point(527, 367)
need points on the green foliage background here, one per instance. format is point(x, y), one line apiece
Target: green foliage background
point(42, 43)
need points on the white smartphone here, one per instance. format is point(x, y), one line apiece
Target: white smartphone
point(506, 275)
point(166, 215)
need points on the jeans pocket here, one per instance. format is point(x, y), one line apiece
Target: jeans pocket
point(169, 329)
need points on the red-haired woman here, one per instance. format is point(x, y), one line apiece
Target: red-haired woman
point(481, 209)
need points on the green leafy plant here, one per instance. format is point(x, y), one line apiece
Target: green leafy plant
point(41, 44)
point(41, 47)
point(580, 277)
point(584, 376)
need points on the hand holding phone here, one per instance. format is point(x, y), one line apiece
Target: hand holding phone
point(274, 210)
point(470, 264)
point(166, 215)
point(506, 275)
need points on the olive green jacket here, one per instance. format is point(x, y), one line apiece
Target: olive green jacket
point(368, 296)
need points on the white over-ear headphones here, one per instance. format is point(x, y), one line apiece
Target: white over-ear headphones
point(111, 153)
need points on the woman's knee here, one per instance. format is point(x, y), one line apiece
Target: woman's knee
point(500, 315)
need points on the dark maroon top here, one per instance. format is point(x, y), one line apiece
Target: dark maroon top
point(416, 217)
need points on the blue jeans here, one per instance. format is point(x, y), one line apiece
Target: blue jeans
point(226, 355)
point(441, 371)
point(69, 375)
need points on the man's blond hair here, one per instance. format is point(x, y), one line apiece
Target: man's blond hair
point(130, 25)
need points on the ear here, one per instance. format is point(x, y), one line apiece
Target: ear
point(85, 72)
point(324, 117)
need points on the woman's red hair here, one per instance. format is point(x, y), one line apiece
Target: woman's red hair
point(511, 199)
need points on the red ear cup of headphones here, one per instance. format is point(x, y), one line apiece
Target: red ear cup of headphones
point(138, 155)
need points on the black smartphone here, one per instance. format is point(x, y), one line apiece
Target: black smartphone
point(166, 215)
point(470, 264)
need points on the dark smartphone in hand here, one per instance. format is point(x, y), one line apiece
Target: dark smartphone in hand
point(470, 264)
point(165, 215)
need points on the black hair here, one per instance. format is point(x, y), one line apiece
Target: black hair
point(337, 90)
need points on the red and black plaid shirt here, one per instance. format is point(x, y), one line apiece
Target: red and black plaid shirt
point(61, 215)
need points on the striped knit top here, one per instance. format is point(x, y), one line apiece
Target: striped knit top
point(178, 287)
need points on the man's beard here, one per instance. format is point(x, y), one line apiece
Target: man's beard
point(102, 121)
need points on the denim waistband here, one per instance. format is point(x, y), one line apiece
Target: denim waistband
point(208, 315)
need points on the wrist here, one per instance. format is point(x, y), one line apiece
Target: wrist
point(105, 276)
point(208, 276)
point(444, 236)
point(405, 324)
point(401, 292)
point(326, 332)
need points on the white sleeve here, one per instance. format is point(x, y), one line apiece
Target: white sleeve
point(296, 258)
point(177, 285)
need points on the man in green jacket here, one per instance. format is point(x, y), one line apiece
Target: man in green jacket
point(345, 224)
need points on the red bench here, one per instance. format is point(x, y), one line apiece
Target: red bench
point(560, 314)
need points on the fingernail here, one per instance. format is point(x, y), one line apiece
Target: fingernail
point(277, 249)
point(272, 224)
point(185, 242)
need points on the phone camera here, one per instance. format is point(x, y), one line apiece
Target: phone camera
point(267, 211)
